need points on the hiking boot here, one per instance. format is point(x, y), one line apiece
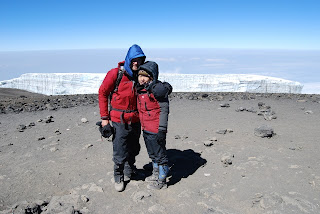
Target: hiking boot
point(119, 186)
point(126, 178)
point(118, 177)
point(157, 185)
point(163, 172)
point(161, 182)
point(155, 173)
point(132, 173)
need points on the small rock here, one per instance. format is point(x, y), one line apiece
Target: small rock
point(87, 146)
point(53, 149)
point(50, 107)
point(251, 110)
point(177, 137)
point(84, 120)
point(264, 131)
point(48, 120)
point(84, 198)
point(227, 159)
point(301, 101)
point(208, 143)
point(308, 112)
point(269, 116)
point(21, 128)
point(31, 124)
point(225, 105)
point(221, 131)
point(240, 109)
point(213, 139)
point(41, 138)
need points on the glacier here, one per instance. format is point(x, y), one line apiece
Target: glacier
point(89, 83)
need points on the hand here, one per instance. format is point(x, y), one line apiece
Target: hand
point(161, 135)
point(104, 123)
point(106, 130)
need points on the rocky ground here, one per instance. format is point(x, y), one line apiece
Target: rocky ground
point(229, 153)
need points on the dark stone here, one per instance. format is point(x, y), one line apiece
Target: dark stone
point(264, 131)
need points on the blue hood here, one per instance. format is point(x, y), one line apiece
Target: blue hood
point(134, 52)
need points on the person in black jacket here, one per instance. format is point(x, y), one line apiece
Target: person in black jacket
point(153, 107)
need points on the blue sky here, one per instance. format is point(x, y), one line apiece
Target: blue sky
point(278, 38)
point(77, 24)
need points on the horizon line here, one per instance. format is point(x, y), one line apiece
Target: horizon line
point(121, 48)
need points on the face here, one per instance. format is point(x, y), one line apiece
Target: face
point(136, 62)
point(143, 79)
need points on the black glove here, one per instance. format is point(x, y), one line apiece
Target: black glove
point(105, 131)
point(161, 136)
point(161, 90)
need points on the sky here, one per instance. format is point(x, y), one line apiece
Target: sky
point(84, 24)
point(278, 38)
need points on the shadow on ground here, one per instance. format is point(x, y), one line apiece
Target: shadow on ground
point(181, 163)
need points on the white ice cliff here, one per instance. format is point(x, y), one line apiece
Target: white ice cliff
point(89, 83)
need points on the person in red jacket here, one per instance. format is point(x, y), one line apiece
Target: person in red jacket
point(123, 113)
point(153, 107)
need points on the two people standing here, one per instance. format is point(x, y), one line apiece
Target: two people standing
point(120, 89)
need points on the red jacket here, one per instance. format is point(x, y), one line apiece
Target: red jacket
point(124, 100)
point(149, 111)
point(153, 112)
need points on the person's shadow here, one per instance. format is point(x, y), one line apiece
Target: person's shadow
point(181, 163)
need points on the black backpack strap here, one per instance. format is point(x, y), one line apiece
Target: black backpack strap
point(116, 85)
point(118, 80)
point(119, 77)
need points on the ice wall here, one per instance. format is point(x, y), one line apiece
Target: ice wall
point(88, 83)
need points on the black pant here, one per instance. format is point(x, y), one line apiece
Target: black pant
point(156, 148)
point(125, 147)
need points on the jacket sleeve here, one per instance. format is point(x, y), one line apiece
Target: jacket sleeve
point(160, 92)
point(105, 89)
point(164, 115)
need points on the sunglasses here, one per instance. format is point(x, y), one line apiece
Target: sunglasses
point(138, 60)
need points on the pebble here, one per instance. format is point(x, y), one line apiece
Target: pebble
point(308, 112)
point(225, 105)
point(208, 143)
point(264, 131)
point(177, 137)
point(21, 127)
point(221, 131)
point(84, 120)
point(41, 138)
point(87, 146)
point(227, 159)
point(84, 198)
point(53, 149)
